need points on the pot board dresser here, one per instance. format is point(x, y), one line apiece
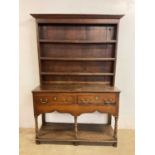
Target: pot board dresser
point(77, 66)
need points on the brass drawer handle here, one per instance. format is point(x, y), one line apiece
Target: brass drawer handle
point(108, 103)
point(84, 101)
point(44, 100)
point(96, 98)
point(66, 100)
point(54, 98)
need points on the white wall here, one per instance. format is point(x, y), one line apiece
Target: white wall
point(29, 75)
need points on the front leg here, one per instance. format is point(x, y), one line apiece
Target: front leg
point(116, 126)
point(75, 126)
point(115, 130)
point(109, 119)
point(36, 128)
point(43, 118)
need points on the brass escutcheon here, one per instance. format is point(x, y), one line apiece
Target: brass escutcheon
point(54, 98)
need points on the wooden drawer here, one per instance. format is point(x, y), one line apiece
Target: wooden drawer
point(97, 99)
point(50, 98)
point(75, 103)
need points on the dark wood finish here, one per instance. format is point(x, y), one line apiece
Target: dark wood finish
point(97, 99)
point(87, 133)
point(75, 126)
point(76, 16)
point(109, 119)
point(72, 88)
point(36, 125)
point(76, 103)
point(77, 50)
point(76, 19)
point(77, 59)
point(54, 98)
point(76, 73)
point(77, 33)
point(43, 118)
point(77, 65)
point(115, 128)
point(77, 41)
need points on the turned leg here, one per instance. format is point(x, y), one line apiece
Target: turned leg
point(36, 128)
point(36, 125)
point(75, 126)
point(43, 118)
point(115, 144)
point(109, 119)
point(115, 130)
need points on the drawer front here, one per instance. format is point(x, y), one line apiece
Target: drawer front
point(48, 98)
point(97, 99)
point(75, 103)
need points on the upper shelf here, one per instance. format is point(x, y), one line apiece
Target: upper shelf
point(77, 41)
point(78, 59)
point(77, 18)
point(77, 73)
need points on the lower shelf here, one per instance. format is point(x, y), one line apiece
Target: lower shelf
point(87, 134)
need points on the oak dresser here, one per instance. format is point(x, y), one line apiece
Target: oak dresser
point(77, 66)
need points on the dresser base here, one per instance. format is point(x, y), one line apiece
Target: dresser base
point(63, 133)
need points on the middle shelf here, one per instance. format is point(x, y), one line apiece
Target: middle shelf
point(78, 59)
point(76, 73)
point(77, 41)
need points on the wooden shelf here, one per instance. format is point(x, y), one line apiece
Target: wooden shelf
point(77, 59)
point(78, 74)
point(64, 132)
point(77, 64)
point(77, 41)
point(76, 82)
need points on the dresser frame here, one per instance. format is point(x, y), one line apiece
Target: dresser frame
point(77, 65)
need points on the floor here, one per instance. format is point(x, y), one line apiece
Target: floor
point(28, 146)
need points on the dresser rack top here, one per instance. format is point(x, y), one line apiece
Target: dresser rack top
point(87, 16)
point(77, 49)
